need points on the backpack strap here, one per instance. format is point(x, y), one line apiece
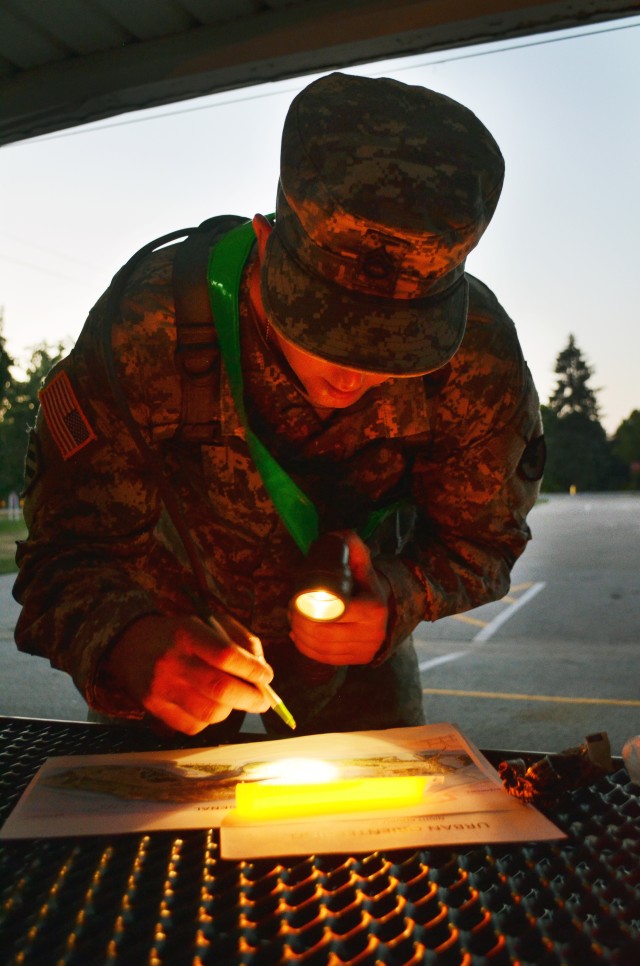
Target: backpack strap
point(197, 343)
point(152, 460)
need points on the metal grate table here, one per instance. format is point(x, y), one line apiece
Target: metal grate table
point(168, 899)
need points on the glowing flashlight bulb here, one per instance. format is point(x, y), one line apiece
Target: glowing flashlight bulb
point(320, 605)
point(325, 582)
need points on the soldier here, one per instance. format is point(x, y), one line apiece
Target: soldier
point(383, 382)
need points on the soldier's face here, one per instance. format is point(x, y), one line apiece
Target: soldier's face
point(329, 386)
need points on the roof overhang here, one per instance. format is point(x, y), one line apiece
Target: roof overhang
point(73, 61)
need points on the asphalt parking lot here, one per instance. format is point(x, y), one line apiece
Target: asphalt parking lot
point(559, 657)
point(556, 659)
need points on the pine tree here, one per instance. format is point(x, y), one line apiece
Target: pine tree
point(572, 394)
point(578, 452)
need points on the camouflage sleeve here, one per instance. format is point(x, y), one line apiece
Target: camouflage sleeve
point(91, 563)
point(474, 486)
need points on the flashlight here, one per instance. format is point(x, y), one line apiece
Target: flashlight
point(325, 584)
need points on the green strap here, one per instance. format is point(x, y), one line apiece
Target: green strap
point(299, 514)
point(225, 270)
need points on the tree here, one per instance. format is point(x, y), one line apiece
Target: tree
point(578, 452)
point(19, 410)
point(572, 394)
point(5, 369)
point(626, 446)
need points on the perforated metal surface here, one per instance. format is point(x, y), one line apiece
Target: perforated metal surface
point(167, 898)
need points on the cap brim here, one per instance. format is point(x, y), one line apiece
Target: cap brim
point(375, 334)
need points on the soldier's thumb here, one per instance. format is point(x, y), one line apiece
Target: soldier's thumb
point(364, 575)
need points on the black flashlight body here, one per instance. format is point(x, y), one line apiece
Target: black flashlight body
point(326, 570)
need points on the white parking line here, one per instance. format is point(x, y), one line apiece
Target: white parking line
point(508, 612)
point(488, 629)
point(443, 659)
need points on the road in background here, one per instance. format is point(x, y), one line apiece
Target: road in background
point(559, 657)
point(30, 687)
point(555, 660)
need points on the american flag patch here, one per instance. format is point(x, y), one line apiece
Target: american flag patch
point(67, 423)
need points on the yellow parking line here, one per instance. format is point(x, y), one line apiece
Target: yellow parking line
point(470, 620)
point(507, 599)
point(501, 695)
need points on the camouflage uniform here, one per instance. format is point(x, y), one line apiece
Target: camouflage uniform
point(459, 446)
point(101, 551)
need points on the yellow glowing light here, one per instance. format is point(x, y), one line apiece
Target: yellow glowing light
point(296, 771)
point(266, 800)
point(320, 605)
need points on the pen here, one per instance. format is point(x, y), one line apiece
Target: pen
point(278, 705)
point(275, 701)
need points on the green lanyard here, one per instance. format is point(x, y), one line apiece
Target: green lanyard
point(298, 512)
point(225, 270)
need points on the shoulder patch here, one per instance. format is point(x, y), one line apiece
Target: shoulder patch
point(63, 414)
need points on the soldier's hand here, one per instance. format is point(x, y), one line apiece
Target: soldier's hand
point(356, 637)
point(186, 674)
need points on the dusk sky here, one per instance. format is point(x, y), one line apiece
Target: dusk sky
point(561, 253)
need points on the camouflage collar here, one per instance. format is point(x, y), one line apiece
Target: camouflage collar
point(399, 407)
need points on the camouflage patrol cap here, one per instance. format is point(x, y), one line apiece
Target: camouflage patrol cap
point(384, 190)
